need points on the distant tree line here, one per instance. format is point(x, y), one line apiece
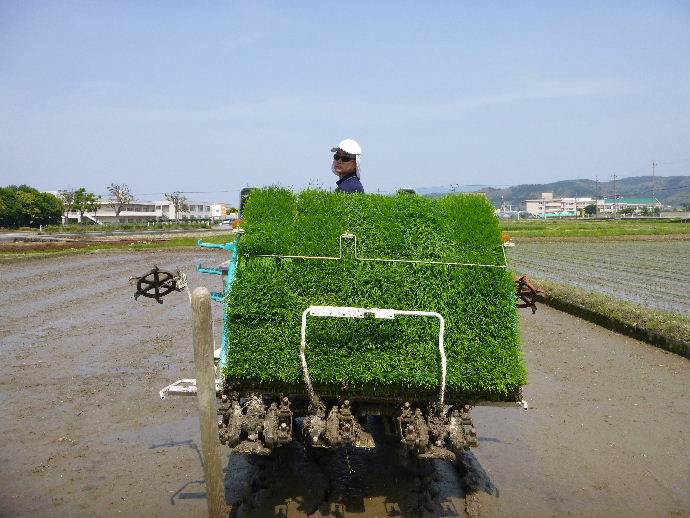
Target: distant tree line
point(24, 206)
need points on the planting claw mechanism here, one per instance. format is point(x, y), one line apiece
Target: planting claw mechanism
point(158, 283)
point(527, 293)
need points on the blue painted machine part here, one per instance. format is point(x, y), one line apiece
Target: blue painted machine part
point(226, 246)
point(232, 272)
point(211, 271)
point(223, 296)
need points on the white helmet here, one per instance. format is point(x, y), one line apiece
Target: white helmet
point(353, 148)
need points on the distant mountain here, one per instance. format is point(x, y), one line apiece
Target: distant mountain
point(431, 191)
point(670, 190)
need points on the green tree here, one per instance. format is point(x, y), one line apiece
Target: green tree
point(84, 201)
point(50, 209)
point(79, 204)
point(68, 198)
point(24, 206)
point(10, 211)
point(92, 203)
point(591, 209)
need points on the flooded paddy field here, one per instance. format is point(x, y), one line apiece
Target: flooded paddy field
point(651, 273)
point(85, 433)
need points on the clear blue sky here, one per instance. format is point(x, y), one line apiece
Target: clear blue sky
point(215, 96)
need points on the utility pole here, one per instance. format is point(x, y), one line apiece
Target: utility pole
point(654, 164)
point(543, 207)
point(613, 205)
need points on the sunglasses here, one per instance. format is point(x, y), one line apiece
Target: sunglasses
point(342, 158)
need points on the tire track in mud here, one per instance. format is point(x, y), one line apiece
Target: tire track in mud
point(659, 268)
point(24, 284)
point(78, 371)
point(68, 264)
point(622, 288)
point(603, 277)
point(651, 274)
point(385, 481)
point(56, 296)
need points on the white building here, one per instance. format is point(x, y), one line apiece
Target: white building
point(547, 204)
point(221, 211)
point(635, 205)
point(143, 211)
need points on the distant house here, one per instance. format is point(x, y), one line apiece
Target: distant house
point(610, 205)
point(145, 211)
point(548, 206)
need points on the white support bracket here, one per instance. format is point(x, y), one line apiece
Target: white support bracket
point(185, 387)
point(351, 312)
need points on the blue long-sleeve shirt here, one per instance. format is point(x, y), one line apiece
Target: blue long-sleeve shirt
point(349, 183)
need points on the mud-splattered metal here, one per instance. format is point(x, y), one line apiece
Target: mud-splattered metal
point(158, 283)
point(527, 293)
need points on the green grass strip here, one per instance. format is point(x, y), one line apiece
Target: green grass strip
point(595, 227)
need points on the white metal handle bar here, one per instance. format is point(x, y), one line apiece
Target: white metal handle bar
point(351, 312)
point(353, 237)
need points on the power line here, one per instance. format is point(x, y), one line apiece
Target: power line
point(189, 192)
point(677, 188)
point(672, 162)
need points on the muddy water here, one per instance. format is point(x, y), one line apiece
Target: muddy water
point(84, 433)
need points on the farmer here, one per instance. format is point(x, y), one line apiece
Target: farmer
point(347, 166)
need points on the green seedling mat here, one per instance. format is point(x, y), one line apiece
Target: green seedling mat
point(370, 357)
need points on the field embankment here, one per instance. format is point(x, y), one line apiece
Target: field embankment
point(596, 228)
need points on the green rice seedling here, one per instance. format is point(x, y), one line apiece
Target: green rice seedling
point(372, 357)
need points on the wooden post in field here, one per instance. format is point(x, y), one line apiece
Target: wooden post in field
point(206, 396)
